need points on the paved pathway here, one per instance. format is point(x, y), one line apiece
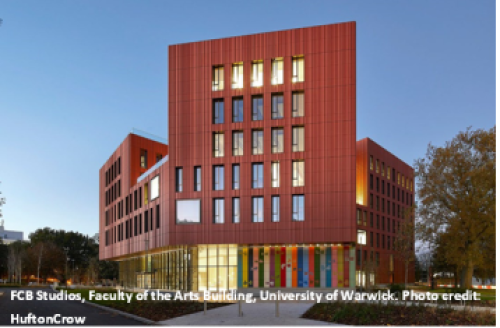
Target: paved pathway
point(94, 316)
point(254, 314)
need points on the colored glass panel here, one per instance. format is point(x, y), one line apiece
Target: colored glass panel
point(271, 267)
point(335, 272)
point(311, 266)
point(261, 266)
point(305, 262)
point(289, 267)
point(322, 267)
point(328, 267)
point(346, 266)
point(283, 267)
point(340, 265)
point(294, 266)
point(317, 267)
point(250, 267)
point(245, 267)
point(277, 267)
point(256, 267)
point(300, 266)
point(266, 266)
point(240, 268)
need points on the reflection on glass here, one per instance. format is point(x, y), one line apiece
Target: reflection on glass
point(188, 211)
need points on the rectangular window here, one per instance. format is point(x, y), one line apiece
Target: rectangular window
point(218, 144)
point(144, 158)
point(258, 209)
point(298, 138)
point(218, 78)
point(364, 218)
point(257, 175)
point(378, 184)
point(371, 181)
point(146, 221)
point(358, 217)
point(218, 177)
point(237, 143)
point(238, 109)
point(237, 80)
point(275, 174)
point(257, 142)
point(298, 173)
point(218, 210)
point(361, 240)
point(257, 108)
point(277, 140)
point(257, 73)
point(371, 239)
point(140, 197)
point(378, 222)
point(371, 220)
point(197, 178)
point(297, 104)
point(218, 111)
point(378, 258)
point(135, 200)
point(298, 208)
point(157, 216)
point(277, 71)
point(236, 176)
point(140, 224)
point(146, 189)
point(383, 223)
point(277, 110)
point(178, 179)
point(371, 163)
point(119, 165)
point(236, 210)
point(298, 69)
point(188, 211)
point(378, 240)
point(383, 169)
point(275, 200)
point(376, 166)
point(388, 173)
point(371, 201)
point(158, 157)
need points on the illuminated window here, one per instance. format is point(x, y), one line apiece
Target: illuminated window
point(298, 208)
point(258, 209)
point(257, 108)
point(277, 140)
point(218, 177)
point(298, 69)
point(275, 202)
point(383, 169)
point(257, 175)
point(298, 173)
point(298, 104)
point(236, 210)
point(399, 179)
point(178, 179)
point(389, 172)
point(257, 73)
point(376, 166)
point(275, 174)
point(218, 111)
point(218, 144)
point(237, 80)
point(277, 71)
point(237, 109)
point(364, 218)
point(298, 138)
point(277, 110)
point(218, 210)
point(361, 237)
point(144, 158)
point(371, 163)
point(358, 217)
point(218, 78)
point(237, 143)
point(257, 142)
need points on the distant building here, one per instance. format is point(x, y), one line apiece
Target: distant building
point(10, 236)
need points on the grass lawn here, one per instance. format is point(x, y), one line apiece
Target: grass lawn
point(380, 314)
point(152, 310)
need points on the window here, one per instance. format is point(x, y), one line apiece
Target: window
point(378, 222)
point(298, 173)
point(140, 224)
point(237, 81)
point(236, 210)
point(298, 69)
point(358, 217)
point(218, 144)
point(218, 210)
point(218, 111)
point(298, 208)
point(383, 223)
point(158, 158)
point(238, 109)
point(257, 73)
point(371, 201)
point(298, 138)
point(371, 239)
point(277, 71)
point(378, 240)
point(197, 178)
point(178, 179)
point(146, 198)
point(157, 216)
point(135, 200)
point(237, 143)
point(236, 176)
point(376, 166)
point(257, 108)
point(258, 209)
point(388, 173)
point(188, 211)
point(155, 187)
point(218, 78)
point(144, 158)
point(275, 174)
point(364, 218)
point(275, 200)
point(277, 140)
point(257, 142)
point(378, 184)
point(383, 169)
point(277, 110)
point(399, 178)
point(371, 181)
point(361, 237)
point(218, 177)
point(383, 241)
point(371, 163)
point(297, 104)
point(257, 175)
point(378, 258)
point(146, 221)
point(371, 220)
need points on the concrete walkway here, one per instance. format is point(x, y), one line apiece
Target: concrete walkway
point(254, 314)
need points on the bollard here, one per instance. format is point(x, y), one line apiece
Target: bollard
point(205, 307)
point(240, 313)
point(277, 309)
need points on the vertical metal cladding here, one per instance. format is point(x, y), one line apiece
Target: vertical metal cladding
point(296, 266)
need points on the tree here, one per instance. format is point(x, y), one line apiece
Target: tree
point(2, 199)
point(456, 188)
point(404, 244)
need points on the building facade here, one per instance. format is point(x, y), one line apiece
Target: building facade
point(9, 236)
point(258, 185)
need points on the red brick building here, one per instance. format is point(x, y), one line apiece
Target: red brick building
point(263, 173)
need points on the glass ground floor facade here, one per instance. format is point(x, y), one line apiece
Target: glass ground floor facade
point(227, 267)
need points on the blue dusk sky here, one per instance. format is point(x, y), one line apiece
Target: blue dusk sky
point(77, 76)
